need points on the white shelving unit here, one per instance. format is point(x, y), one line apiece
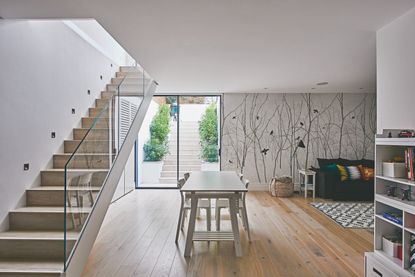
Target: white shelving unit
point(379, 262)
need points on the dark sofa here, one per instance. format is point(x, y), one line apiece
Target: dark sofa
point(328, 184)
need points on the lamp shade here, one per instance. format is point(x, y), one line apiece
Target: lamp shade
point(301, 144)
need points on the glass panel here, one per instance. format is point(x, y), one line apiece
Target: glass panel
point(98, 142)
point(157, 144)
point(198, 134)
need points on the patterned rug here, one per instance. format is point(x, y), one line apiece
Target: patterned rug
point(348, 214)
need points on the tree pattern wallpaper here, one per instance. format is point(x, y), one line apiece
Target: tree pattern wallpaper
point(266, 135)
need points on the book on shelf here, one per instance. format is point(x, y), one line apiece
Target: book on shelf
point(393, 216)
point(409, 163)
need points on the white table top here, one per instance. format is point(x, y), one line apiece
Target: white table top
point(213, 181)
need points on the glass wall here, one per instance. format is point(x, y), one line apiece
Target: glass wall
point(180, 135)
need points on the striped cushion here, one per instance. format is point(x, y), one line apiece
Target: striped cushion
point(353, 172)
point(343, 173)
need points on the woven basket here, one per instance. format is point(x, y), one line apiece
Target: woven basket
point(281, 187)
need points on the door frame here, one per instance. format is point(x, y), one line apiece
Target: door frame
point(178, 95)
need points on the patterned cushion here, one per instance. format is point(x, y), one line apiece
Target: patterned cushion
point(343, 173)
point(353, 172)
point(367, 173)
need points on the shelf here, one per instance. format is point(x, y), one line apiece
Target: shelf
point(403, 181)
point(396, 141)
point(388, 221)
point(404, 205)
point(410, 230)
point(392, 259)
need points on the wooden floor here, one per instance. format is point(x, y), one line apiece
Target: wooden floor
point(289, 238)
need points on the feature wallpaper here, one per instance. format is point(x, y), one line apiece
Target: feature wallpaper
point(276, 134)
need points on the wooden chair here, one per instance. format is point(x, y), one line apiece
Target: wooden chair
point(186, 175)
point(224, 204)
point(185, 207)
point(79, 186)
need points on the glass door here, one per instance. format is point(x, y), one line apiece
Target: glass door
point(199, 141)
point(180, 134)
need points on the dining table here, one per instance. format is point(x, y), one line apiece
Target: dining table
point(214, 185)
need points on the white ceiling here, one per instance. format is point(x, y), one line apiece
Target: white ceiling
point(238, 45)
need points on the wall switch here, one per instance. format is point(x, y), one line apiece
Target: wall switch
point(73, 111)
point(53, 135)
point(26, 167)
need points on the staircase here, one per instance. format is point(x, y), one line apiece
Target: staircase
point(34, 243)
point(189, 159)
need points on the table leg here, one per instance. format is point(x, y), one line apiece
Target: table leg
point(314, 186)
point(234, 221)
point(191, 228)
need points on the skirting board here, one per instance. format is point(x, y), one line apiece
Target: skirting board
point(265, 187)
point(258, 187)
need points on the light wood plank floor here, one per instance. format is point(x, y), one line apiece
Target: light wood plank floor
point(289, 238)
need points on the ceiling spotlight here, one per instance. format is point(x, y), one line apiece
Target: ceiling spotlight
point(265, 88)
point(360, 88)
point(322, 83)
point(313, 88)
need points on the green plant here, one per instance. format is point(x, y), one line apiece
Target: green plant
point(210, 153)
point(154, 150)
point(156, 147)
point(208, 131)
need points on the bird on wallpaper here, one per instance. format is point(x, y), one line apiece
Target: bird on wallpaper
point(353, 117)
point(230, 162)
point(297, 138)
point(264, 151)
point(271, 133)
point(315, 111)
point(233, 117)
point(302, 124)
point(257, 117)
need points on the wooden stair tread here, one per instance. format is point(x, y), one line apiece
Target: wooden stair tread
point(86, 170)
point(61, 188)
point(38, 235)
point(51, 210)
point(31, 266)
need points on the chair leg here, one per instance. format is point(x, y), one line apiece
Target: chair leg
point(218, 220)
point(217, 217)
point(208, 218)
point(198, 213)
point(183, 217)
point(242, 214)
point(246, 222)
point(179, 223)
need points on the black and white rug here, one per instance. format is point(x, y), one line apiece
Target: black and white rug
point(347, 214)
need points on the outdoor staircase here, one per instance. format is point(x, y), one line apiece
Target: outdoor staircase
point(34, 243)
point(189, 147)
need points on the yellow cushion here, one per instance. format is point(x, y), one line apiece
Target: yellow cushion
point(343, 173)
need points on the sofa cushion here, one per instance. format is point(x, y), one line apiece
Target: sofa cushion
point(343, 173)
point(368, 173)
point(353, 172)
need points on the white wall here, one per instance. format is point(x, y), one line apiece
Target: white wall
point(46, 71)
point(96, 35)
point(192, 112)
point(395, 74)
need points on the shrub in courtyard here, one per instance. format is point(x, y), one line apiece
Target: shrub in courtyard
point(156, 147)
point(208, 132)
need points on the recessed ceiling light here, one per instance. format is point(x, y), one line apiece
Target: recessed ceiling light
point(313, 88)
point(322, 83)
point(265, 88)
point(360, 88)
